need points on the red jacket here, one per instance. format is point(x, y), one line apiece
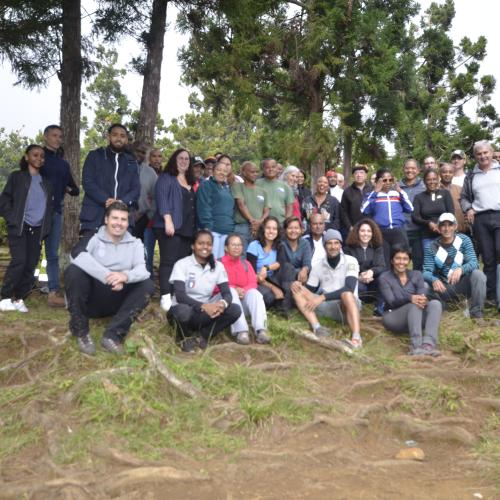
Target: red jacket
point(240, 274)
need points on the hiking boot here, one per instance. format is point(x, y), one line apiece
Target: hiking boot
point(20, 306)
point(262, 337)
point(188, 345)
point(53, 300)
point(112, 346)
point(86, 344)
point(7, 305)
point(243, 338)
point(430, 350)
point(203, 343)
point(322, 331)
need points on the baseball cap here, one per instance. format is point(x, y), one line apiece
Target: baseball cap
point(331, 173)
point(447, 217)
point(198, 160)
point(211, 159)
point(332, 234)
point(459, 153)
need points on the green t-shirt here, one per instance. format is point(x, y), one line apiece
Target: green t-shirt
point(255, 200)
point(279, 196)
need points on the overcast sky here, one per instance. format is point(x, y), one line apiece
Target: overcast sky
point(30, 111)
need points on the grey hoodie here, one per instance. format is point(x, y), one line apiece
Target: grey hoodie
point(100, 255)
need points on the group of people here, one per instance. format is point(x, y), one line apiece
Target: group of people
point(234, 245)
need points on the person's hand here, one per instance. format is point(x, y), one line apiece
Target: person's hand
point(240, 292)
point(314, 302)
point(211, 309)
point(302, 276)
point(455, 276)
point(108, 202)
point(278, 293)
point(366, 276)
point(262, 274)
point(378, 185)
point(116, 280)
point(419, 300)
point(434, 227)
point(396, 185)
point(438, 286)
point(296, 287)
point(254, 225)
point(470, 214)
point(169, 228)
point(117, 288)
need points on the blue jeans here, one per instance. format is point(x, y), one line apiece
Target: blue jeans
point(245, 233)
point(149, 248)
point(52, 251)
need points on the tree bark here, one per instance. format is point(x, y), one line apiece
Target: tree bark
point(71, 81)
point(347, 156)
point(152, 73)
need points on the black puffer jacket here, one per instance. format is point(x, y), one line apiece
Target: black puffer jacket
point(369, 258)
point(13, 202)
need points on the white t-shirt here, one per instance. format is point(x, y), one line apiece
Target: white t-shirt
point(329, 279)
point(319, 252)
point(458, 180)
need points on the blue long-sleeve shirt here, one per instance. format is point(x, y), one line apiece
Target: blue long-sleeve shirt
point(215, 207)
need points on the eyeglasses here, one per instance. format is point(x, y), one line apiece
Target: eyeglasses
point(235, 245)
point(385, 181)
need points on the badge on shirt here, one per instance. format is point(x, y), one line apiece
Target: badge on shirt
point(260, 198)
point(191, 282)
point(281, 189)
point(351, 267)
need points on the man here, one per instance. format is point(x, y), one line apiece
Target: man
point(323, 203)
point(335, 279)
point(412, 185)
point(430, 162)
point(107, 277)
point(156, 160)
point(446, 174)
point(458, 161)
point(210, 163)
point(109, 174)
point(451, 267)
point(315, 238)
point(335, 189)
point(496, 156)
point(279, 195)
point(198, 169)
point(252, 205)
point(480, 202)
point(340, 181)
point(57, 172)
point(353, 197)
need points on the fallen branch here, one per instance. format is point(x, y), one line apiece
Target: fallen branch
point(181, 385)
point(331, 344)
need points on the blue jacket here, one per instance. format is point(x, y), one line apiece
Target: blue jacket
point(387, 209)
point(215, 207)
point(107, 174)
point(168, 197)
point(56, 170)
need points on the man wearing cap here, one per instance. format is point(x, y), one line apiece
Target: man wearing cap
point(198, 171)
point(353, 197)
point(480, 201)
point(458, 161)
point(331, 290)
point(335, 189)
point(451, 267)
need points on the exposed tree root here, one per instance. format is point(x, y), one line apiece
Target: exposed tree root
point(244, 349)
point(330, 344)
point(119, 457)
point(273, 366)
point(22, 488)
point(337, 423)
point(491, 403)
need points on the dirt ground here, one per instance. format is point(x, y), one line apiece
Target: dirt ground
point(368, 408)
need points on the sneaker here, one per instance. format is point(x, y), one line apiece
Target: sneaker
point(86, 344)
point(243, 338)
point(203, 343)
point(189, 344)
point(166, 302)
point(112, 346)
point(20, 306)
point(53, 300)
point(430, 350)
point(322, 331)
point(7, 305)
point(416, 351)
point(262, 337)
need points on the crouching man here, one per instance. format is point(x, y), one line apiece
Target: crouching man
point(331, 290)
point(107, 277)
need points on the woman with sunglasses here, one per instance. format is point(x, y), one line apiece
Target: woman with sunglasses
point(385, 205)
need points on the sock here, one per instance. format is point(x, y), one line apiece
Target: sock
point(315, 327)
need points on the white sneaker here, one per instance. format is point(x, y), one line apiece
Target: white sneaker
point(20, 306)
point(7, 305)
point(166, 302)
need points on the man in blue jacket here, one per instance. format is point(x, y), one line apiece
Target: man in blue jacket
point(56, 170)
point(109, 174)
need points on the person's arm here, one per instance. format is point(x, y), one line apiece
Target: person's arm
point(133, 191)
point(71, 188)
point(368, 206)
point(289, 211)
point(90, 174)
point(289, 201)
point(386, 285)
point(345, 206)
point(204, 205)
point(225, 292)
point(138, 271)
point(252, 259)
point(448, 202)
point(416, 215)
point(6, 199)
point(467, 196)
point(378, 264)
point(470, 259)
point(335, 214)
point(405, 201)
point(82, 257)
point(429, 269)
point(349, 286)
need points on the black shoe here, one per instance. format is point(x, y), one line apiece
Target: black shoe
point(112, 346)
point(188, 345)
point(86, 344)
point(203, 343)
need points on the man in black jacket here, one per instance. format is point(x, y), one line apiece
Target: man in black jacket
point(353, 197)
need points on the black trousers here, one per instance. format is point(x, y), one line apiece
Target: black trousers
point(487, 233)
point(25, 253)
point(89, 298)
point(394, 236)
point(283, 279)
point(172, 249)
point(191, 320)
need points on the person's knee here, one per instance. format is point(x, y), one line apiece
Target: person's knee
point(182, 312)
point(435, 306)
point(233, 311)
point(478, 278)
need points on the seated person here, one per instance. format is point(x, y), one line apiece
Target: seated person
point(451, 267)
point(315, 238)
point(365, 243)
point(199, 312)
point(262, 254)
point(107, 277)
point(331, 290)
point(407, 309)
point(243, 284)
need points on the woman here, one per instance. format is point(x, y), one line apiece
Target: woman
point(199, 312)
point(26, 206)
point(295, 251)
point(290, 176)
point(215, 207)
point(304, 191)
point(175, 218)
point(365, 243)
point(243, 283)
point(429, 205)
point(324, 203)
point(385, 205)
point(262, 254)
point(407, 309)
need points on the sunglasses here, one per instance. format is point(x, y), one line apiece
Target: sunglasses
point(385, 181)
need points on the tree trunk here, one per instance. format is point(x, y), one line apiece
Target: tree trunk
point(152, 73)
point(347, 156)
point(71, 80)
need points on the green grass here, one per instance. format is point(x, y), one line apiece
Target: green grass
point(16, 435)
point(430, 394)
